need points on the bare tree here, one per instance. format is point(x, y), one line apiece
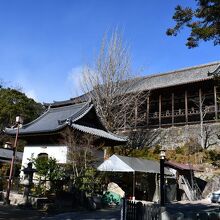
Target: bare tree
point(209, 137)
point(205, 132)
point(81, 152)
point(112, 86)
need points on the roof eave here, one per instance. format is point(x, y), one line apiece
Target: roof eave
point(21, 133)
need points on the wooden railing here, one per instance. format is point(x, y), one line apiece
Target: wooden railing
point(182, 112)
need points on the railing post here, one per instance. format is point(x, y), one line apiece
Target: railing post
point(139, 211)
point(123, 209)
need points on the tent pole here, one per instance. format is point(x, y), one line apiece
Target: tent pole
point(133, 198)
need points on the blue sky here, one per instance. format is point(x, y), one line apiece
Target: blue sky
point(45, 43)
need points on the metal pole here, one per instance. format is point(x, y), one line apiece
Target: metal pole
point(133, 196)
point(162, 187)
point(12, 167)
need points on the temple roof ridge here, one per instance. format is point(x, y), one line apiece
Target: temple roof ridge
point(182, 69)
point(174, 78)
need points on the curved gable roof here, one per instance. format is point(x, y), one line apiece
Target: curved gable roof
point(56, 118)
point(53, 119)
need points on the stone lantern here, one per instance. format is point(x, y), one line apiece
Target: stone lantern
point(28, 180)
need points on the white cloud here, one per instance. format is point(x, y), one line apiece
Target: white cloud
point(31, 94)
point(74, 80)
point(24, 84)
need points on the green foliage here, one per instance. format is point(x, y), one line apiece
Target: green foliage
point(203, 22)
point(48, 171)
point(13, 103)
point(192, 146)
point(139, 153)
point(145, 153)
point(38, 190)
point(48, 168)
point(191, 152)
point(88, 180)
point(157, 149)
point(179, 150)
point(213, 157)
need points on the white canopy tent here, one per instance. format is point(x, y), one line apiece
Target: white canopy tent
point(118, 163)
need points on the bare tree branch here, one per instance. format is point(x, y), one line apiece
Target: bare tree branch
point(81, 151)
point(110, 84)
point(205, 131)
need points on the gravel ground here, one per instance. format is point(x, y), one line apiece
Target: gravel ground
point(102, 214)
point(11, 212)
point(193, 206)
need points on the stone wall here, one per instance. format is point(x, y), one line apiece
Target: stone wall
point(15, 198)
point(173, 137)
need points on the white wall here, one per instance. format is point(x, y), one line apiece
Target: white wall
point(57, 152)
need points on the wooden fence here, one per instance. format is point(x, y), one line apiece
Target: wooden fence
point(139, 211)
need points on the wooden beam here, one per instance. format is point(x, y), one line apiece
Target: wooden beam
point(172, 109)
point(160, 106)
point(216, 105)
point(186, 106)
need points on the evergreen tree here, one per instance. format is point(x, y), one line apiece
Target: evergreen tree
point(13, 103)
point(203, 22)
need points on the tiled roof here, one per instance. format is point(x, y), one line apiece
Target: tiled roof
point(98, 132)
point(6, 155)
point(53, 119)
point(56, 118)
point(177, 77)
point(78, 99)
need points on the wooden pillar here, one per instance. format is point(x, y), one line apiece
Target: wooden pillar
point(136, 113)
point(148, 110)
point(201, 117)
point(160, 106)
point(186, 106)
point(172, 109)
point(215, 101)
point(200, 104)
